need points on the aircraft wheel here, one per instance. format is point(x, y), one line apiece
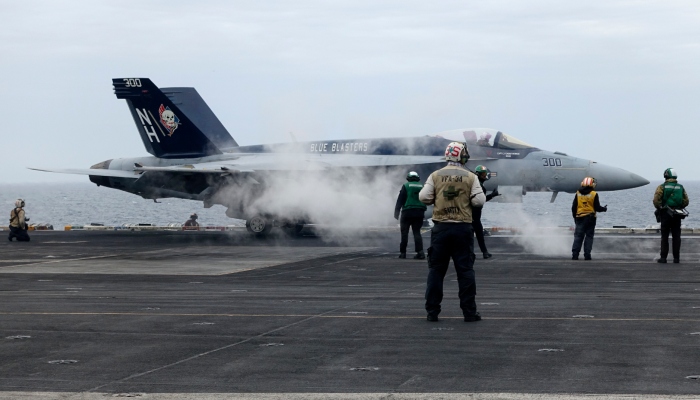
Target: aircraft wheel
point(259, 225)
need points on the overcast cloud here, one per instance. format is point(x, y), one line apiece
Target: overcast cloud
point(613, 81)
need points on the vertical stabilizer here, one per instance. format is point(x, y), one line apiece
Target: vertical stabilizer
point(193, 105)
point(165, 129)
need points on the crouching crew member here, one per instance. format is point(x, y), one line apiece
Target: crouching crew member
point(18, 223)
point(453, 190)
point(484, 174)
point(192, 221)
point(584, 208)
point(670, 197)
point(412, 214)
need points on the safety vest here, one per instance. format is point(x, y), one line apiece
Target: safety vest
point(412, 190)
point(453, 188)
point(585, 204)
point(673, 195)
point(17, 218)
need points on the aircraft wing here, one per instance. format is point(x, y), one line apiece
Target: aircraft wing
point(295, 162)
point(113, 173)
point(261, 162)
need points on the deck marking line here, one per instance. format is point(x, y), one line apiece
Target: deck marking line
point(196, 356)
point(324, 315)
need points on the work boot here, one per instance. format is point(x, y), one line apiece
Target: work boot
point(574, 257)
point(402, 255)
point(661, 261)
point(487, 255)
point(676, 261)
point(432, 318)
point(588, 257)
point(419, 256)
point(472, 318)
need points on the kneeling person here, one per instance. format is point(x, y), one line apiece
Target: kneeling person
point(18, 223)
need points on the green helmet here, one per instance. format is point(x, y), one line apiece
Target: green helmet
point(670, 173)
point(412, 177)
point(480, 169)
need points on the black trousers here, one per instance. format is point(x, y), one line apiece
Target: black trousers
point(478, 228)
point(671, 225)
point(583, 235)
point(451, 241)
point(414, 223)
point(20, 234)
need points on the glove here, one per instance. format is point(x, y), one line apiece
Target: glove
point(605, 208)
point(396, 217)
point(495, 193)
point(26, 218)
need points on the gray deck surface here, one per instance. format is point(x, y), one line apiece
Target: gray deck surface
point(206, 314)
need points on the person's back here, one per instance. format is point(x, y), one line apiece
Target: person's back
point(453, 187)
point(412, 212)
point(192, 222)
point(670, 198)
point(453, 190)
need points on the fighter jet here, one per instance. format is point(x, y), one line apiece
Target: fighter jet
point(194, 157)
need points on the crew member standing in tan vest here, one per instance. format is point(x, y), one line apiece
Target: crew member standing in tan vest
point(453, 191)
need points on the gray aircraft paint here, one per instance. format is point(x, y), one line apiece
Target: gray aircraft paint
point(215, 171)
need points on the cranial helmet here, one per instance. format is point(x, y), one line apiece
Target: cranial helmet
point(413, 177)
point(480, 169)
point(193, 216)
point(457, 152)
point(670, 173)
point(589, 182)
point(19, 203)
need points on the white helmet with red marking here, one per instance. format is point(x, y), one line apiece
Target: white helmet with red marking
point(588, 182)
point(457, 152)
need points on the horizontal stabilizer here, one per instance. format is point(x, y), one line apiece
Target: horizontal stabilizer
point(112, 173)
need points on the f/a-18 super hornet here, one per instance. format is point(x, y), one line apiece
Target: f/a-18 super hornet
point(194, 157)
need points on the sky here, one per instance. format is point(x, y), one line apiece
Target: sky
point(612, 81)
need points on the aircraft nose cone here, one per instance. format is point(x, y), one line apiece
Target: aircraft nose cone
point(613, 178)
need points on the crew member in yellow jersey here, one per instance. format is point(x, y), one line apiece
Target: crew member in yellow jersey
point(586, 204)
point(453, 191)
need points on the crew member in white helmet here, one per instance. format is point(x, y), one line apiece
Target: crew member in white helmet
point(18, 223)
point(453, 190)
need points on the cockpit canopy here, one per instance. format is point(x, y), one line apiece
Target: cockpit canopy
point(484, 137)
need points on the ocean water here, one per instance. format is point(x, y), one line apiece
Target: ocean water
point(84, 203)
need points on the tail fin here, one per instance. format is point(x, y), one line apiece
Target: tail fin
point(165, 130)
point(193, 105)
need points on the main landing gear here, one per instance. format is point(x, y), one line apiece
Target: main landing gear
point(261, 225)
